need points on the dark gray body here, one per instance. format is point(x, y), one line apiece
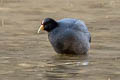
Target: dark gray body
point(70, 37)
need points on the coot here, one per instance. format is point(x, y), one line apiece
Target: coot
point(67, 36)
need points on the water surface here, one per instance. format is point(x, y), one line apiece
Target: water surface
point(26, 55)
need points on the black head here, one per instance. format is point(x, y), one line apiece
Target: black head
point(49, 24)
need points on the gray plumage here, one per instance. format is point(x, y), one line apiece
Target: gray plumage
point(71, 36)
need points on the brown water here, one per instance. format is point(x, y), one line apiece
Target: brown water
point(26, 55)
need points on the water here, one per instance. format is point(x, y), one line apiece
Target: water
point(26, 55)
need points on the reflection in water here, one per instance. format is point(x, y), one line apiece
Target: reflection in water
point(66, 67)
point(2, 22)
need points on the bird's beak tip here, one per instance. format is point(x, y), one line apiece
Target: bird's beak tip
point(41, 28)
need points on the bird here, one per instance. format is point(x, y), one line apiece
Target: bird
point(67, 36)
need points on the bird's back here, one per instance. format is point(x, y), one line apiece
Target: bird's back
point(73, 24)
